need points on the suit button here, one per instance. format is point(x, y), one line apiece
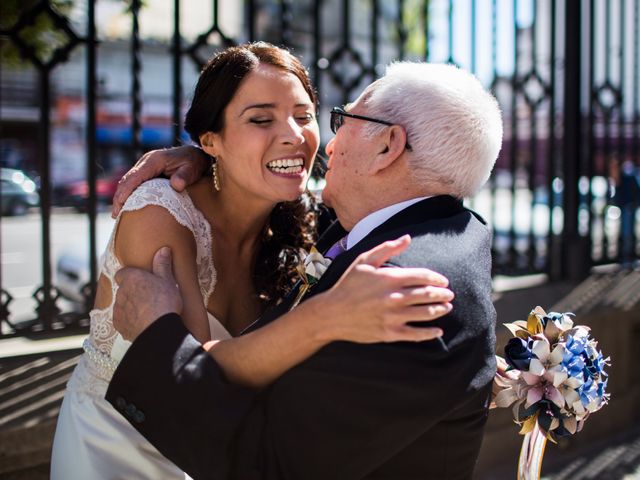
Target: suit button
point(130, 410)
point(120, 403)
point(138, 417)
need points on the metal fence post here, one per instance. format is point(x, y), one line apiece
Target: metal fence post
point(576, 259)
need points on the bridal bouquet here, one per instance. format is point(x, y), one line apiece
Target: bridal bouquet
point(555, 381)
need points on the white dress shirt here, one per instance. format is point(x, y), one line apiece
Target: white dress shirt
point(365, 226)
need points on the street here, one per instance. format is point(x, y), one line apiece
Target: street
point(21, 248)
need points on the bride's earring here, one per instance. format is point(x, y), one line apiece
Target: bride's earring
point(214, 176)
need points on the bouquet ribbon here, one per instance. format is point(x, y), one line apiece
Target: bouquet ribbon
point(531, 453)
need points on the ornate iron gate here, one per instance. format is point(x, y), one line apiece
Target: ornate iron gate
point(564, 194)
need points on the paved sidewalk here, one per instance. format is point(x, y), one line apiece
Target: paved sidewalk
point(613, 458)
point(616, 458)
point(13, 347)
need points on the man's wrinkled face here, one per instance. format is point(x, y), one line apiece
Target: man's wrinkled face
point(349, 152)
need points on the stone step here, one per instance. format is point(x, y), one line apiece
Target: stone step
point(26, 449)
point(31, 391)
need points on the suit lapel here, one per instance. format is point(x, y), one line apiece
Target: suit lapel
point(442, 206)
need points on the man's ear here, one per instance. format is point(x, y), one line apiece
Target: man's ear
point(393, 141)
point(208, 141)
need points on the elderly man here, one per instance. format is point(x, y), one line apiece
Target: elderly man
point(404, 155)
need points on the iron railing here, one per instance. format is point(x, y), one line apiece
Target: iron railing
point(566, 73)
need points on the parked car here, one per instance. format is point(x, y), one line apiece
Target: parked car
point(72, 268)
point(18, 192)
point(76, 194)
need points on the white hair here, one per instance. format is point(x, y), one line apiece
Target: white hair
point(453, 124)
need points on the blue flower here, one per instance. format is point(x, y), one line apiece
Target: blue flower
point(594, 365)
point(552, 316)
point(518, 353)
point(588, 392)
point(575, 344)
point(601, 388)
point(574, 364)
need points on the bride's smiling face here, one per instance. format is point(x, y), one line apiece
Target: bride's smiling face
point(270, 136)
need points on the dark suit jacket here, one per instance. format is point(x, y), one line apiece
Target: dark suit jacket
point(395, 411)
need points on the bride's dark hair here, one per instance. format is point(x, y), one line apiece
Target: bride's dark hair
point(292, 225)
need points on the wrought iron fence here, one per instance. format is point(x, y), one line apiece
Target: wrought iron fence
point(564, 195)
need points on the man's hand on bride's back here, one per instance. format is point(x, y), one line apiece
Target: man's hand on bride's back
point(183, 165)
point(371, 303)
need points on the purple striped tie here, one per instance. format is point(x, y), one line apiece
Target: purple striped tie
point(339, 247)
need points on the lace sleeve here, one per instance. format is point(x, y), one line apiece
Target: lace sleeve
point(159, 192)
point(105, 347)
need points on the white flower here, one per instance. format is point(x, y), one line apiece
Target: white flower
point(315, 265)
point(310, 270)
point(546, 359)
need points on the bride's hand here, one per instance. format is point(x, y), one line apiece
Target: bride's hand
point(184, 165)
point(370, 304)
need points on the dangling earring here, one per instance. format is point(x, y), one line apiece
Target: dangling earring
point(214, 175)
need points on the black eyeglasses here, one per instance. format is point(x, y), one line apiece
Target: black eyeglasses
point(337, 120)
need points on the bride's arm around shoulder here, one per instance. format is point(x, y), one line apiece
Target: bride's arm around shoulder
point(142, 232)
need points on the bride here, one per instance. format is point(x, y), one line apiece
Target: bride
point(236, 240)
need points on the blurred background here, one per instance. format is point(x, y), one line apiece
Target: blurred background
point(87, 86)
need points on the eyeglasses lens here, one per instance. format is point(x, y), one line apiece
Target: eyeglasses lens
point(336, 121)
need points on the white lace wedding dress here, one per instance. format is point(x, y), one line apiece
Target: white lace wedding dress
point(92, 440)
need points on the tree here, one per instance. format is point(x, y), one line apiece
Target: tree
point(39, 34)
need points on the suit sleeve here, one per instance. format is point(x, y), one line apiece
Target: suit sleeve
point(177, 397)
